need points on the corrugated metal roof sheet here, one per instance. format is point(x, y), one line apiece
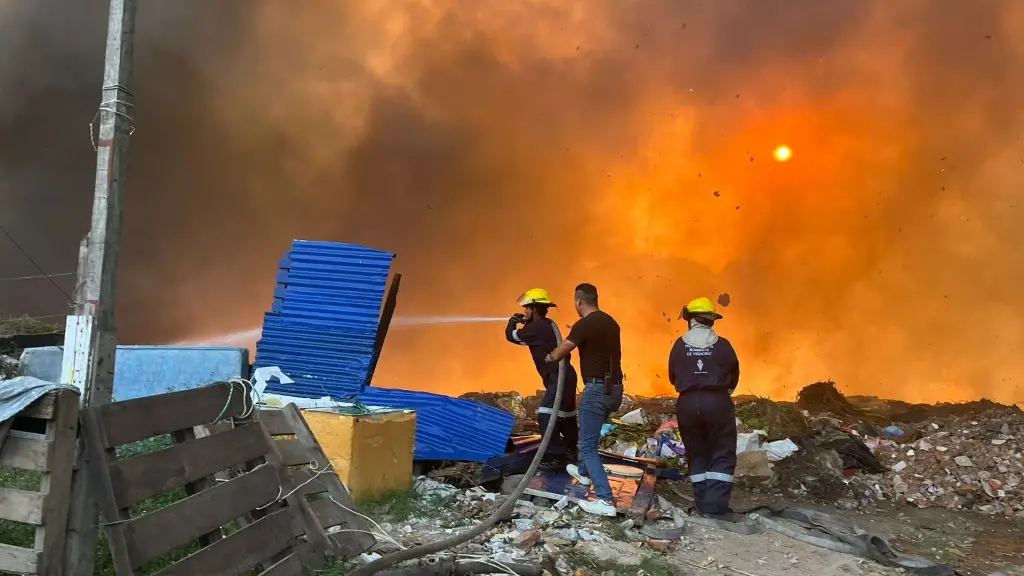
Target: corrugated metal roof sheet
point(321, 331)
point(322, 325)
point(448, 428)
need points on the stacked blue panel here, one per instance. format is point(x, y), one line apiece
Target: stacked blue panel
point(323, 323)
point(321, 332)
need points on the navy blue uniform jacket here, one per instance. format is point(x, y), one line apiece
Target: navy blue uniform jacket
point(715, 368)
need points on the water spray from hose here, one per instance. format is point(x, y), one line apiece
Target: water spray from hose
point(430, 320)
point(250, 336)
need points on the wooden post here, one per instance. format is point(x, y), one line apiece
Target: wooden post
point(90, 336)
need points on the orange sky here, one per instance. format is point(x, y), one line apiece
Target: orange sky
point(498, 147)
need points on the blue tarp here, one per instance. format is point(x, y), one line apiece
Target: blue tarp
point(18, 393)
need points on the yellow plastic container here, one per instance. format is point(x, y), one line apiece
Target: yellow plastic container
point(372, 453)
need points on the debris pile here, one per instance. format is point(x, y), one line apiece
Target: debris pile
point(865, 450)
point(535, 534)
point(636, 434)
point(511, 402)
point(778, 420)
point(847, 451)
point(972, 462)
point(524, 409)
point(552, 536)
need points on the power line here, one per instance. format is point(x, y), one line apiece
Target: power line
point(13, 278)
point(38, 267)
point(34, 317)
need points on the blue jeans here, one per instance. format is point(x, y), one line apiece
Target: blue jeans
point(594, 409)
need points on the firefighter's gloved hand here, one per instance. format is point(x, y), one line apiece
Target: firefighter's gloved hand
point(517, 319)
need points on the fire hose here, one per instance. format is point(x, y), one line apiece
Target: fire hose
point(501, 513)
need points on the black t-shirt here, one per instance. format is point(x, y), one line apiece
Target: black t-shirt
point(539, 335)
point(597, 337)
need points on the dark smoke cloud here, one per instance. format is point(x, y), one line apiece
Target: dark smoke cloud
point(495, 149)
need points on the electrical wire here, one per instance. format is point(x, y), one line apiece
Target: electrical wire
point(500, 514)
point(38, 317)
point(71, 300)
point(35, 276)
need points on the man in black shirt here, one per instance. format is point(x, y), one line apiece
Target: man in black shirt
point(542, 335)
point(704, 369)
point(597, 336)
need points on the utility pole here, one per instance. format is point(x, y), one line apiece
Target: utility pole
point(90, 335)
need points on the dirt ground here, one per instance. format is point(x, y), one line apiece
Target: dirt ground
point(976, 545)
point(765, 554)
point(973, 543)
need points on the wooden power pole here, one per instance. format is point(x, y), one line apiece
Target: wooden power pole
point(90, 337)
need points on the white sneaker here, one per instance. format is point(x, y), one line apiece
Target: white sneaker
point(599, 508)
point(574, 471)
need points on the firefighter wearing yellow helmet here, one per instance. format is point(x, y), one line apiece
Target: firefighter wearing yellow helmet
point(704, 369)
point(535, 330)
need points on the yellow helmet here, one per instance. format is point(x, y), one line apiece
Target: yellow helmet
point(701, 305)
point(535, 296)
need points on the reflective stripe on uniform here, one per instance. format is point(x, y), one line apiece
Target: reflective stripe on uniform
point(711, 476)
point(561, 414)
point(515, 336)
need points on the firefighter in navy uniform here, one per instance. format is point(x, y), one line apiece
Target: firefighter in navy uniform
point(704, 369)
point(534, 329)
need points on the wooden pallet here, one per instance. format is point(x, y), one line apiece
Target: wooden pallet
point(328, 496)
point(236, 524)
point(51, 453)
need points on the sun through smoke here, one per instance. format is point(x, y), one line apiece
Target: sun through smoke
point(782, 153)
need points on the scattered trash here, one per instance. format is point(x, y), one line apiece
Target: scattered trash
point(624, 448)
point(748, 442)
point(893, 432)
point(645, 440)
point(853, 451)
point(637, 416)
point(780, 449)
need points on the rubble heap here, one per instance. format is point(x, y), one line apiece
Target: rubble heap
point(533, 535)
point(561, 539)
point(961, 462)
point(853, 451)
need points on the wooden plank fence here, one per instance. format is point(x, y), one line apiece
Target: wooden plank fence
point(327, 495)
point(253, 521)
point(51, 454)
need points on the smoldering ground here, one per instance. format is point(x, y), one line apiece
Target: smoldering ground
point(498, 147)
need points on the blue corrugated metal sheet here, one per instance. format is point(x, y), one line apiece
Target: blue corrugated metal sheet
point(321, 328)
point(321, 331)
point(448, 428)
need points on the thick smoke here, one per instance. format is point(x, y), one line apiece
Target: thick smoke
point(502, 146)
